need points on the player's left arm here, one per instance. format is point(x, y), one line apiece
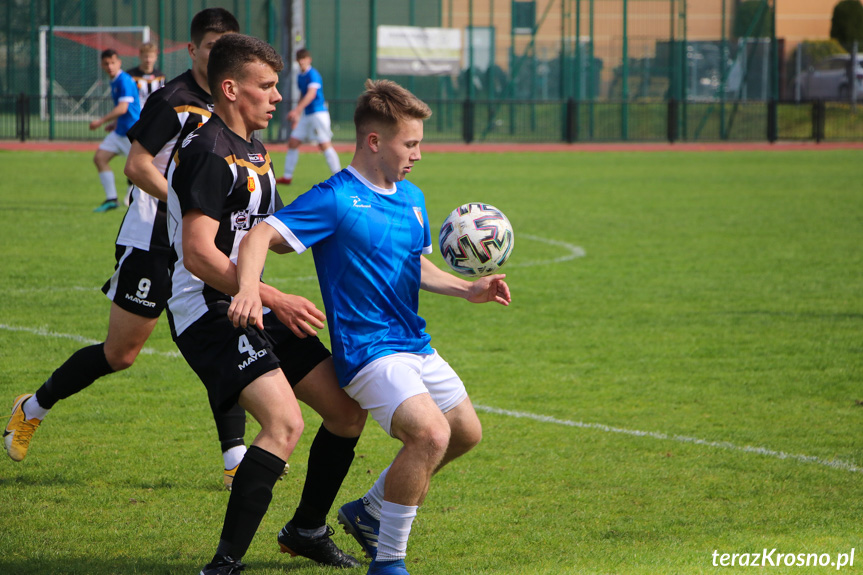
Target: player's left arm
point(121, 108)
point(483, 290)
point(296, 312)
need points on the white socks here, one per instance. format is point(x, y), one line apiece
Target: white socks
point(234, 456)
point(32, 409)
point(374, 499)
point(107, 179)
point(293, 156)
point(332, 160)
point(396, 523)
point(291, 162)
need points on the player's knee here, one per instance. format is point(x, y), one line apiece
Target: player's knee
point(434, 439)
point(348, 424)
point(120, 359)
point(466, 438)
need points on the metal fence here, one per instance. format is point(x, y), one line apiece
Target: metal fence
point(535, 71)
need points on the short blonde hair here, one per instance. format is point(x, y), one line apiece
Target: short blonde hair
point(147, 47)
point(386, 104)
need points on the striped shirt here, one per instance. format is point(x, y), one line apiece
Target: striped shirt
point(227, 179)
point(170, 114)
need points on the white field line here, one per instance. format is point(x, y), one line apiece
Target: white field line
point(572, 252)
point(40, 331)
point(834, 463)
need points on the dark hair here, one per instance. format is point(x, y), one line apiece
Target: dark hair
point(109, 53)
point(386, 103)
point(216, 20)
point(232, 52)
point(303, 53)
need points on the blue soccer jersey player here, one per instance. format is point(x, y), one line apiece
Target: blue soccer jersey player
point(369, 232)
point(126, 111)
point(310, 119)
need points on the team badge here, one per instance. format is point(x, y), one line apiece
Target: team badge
point(241, 220)
point(419, 213)
point(251, 184)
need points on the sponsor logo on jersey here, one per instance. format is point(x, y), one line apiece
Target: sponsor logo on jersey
point(140, 301)
point(257, 158)
point(253, 357)
point(251, 185)
point(357, 202)
point(245, 220)
point(241, 220)
point(419, 214)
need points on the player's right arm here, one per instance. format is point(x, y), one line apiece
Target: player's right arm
point(140, 169)
point(246, 308)
point(157, 127)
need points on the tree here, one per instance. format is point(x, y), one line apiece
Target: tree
point(846, 26)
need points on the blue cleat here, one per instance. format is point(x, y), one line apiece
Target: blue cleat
point(396, 567)
point(363, 527)
point(105, 206)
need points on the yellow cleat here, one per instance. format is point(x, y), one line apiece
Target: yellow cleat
point(19, 431)
point(229, 475)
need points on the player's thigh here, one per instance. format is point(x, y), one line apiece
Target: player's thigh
point(115, 145)
point(224, 357)
point(320, 127)
point(141, 282)
point(385, 383)
point(320, 390)
point(271, 401)
point(443, 383)
point(302, 132)
point(127, 334)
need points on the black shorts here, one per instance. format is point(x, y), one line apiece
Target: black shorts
point(141, 283)
point(228, 358)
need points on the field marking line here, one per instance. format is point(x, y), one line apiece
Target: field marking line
point(573, 252)
point(44, 332)
point(834, 463)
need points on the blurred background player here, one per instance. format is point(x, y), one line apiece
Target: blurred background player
point(310, 119)
point(141, 283)
point(146, 75)
point(127, 109)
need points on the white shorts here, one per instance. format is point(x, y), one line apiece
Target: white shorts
point(313, 128)
point(385, 383)
point(116, 144)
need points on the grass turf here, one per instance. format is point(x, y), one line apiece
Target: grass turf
point(643, 403)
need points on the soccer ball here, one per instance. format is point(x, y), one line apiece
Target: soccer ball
point(476, 239)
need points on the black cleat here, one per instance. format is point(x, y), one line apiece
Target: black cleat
point(222, 565)
point(321, 549)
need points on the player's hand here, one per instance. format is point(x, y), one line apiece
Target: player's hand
point(95, 124)
point(299, 314)
point(110, 127)
point(489, 288)
point(246, 310)
point(294, 117)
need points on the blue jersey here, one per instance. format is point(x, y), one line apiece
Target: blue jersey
point(124, 89)
point(311, 78)
point(367, 243)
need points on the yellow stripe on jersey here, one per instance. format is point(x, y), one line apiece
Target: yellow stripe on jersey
point(260, 170)
point(194, 110)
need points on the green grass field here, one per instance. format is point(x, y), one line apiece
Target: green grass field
point(679, 374)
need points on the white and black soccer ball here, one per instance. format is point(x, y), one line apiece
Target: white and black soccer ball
point(476, 239)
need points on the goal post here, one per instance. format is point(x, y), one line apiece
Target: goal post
point(72, 73)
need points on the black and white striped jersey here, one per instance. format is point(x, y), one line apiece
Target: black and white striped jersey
point(227, 179)
point(170, 114)
point(148, 82)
